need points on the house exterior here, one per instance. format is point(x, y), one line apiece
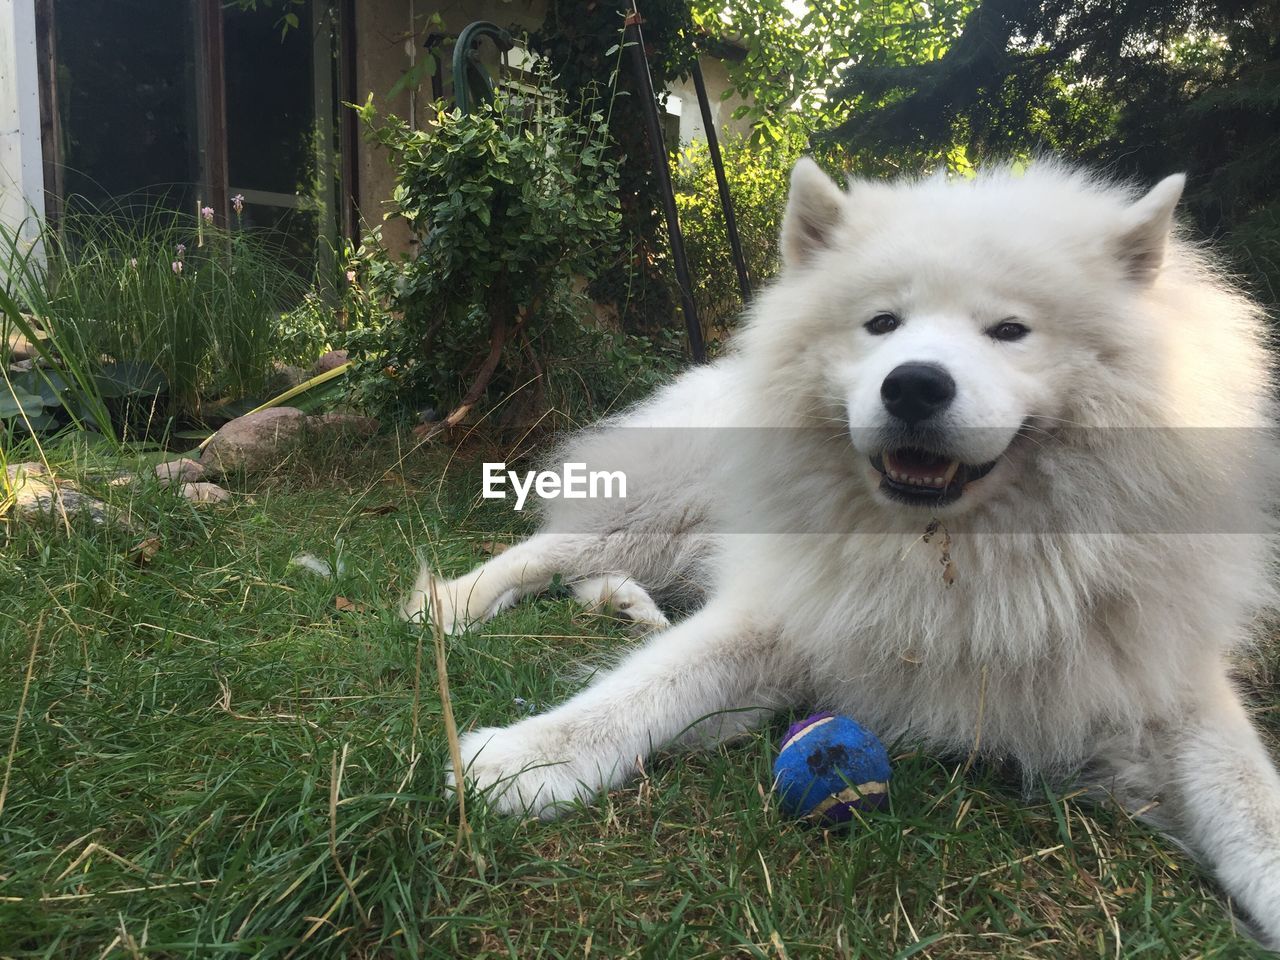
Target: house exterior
point(189, 103)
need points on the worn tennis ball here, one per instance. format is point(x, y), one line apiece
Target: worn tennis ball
point(828, 767)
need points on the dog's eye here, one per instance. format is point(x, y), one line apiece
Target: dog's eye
point(882, 323)
point(1008, 330)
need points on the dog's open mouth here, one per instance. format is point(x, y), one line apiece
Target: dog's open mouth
point(923, 478)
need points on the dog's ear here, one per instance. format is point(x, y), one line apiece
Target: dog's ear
point(814, 208)
point(1146, 227)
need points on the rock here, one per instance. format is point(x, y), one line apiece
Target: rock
point(30, 469)
point(256, 441)
point(204, 493)
point(259, 441)
point(348, 424)
point(22, 366)
point(179, 471)
point(328, 361)
point(284, 376)
point(20, 348)
point(38, 496)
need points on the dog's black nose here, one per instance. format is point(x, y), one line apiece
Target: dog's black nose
point(916, 391)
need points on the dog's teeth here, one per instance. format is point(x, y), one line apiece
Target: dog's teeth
point(952, 467)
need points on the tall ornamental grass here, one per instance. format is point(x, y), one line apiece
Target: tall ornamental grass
point(168, 304)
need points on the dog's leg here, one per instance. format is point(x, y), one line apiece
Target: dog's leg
point(1228, 797)
point(718, 660)
point(526, 568)
point(1219, 794)
point(623, 596)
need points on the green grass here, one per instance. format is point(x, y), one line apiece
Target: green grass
point(208, 747)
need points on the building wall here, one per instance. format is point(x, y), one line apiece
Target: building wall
point(21, 163)
point(716, 78)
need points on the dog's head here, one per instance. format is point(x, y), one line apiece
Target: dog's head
point(951, 322)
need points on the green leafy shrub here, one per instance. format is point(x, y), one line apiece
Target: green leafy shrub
point(160, 313)
point(514, 206)
point(758, 178)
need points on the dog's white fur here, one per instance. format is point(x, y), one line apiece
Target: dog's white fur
point(1100, 590)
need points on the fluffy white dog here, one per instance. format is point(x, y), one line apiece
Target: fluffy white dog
point(989, 467)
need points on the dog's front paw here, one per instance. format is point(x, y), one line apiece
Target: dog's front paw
point(428, 589)
point(525, 768)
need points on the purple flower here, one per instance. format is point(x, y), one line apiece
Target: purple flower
point(207, 213)
point(351, 276)
point(238, 203)
point(182, 248)
point(177, 266)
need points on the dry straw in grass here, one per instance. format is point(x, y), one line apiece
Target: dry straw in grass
point(446, 708)
point(22, 704)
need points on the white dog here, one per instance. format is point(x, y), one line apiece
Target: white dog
point(990, 468)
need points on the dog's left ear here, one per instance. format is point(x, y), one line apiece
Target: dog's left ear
point(815, 206)
point(1146, 226)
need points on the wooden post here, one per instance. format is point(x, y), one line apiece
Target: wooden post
point(50, 126)
point(213, 108)
point(350, 122)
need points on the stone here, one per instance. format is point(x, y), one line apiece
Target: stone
point(256, 441)
point(349, 424)
point(259, 441)
point(31, 468)
point(36, 496)
point(284, 376)
point(182, 470)
point(204, 493)
point(20, 348)
point(328, 361)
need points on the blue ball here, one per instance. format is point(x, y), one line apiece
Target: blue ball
point(828, 767)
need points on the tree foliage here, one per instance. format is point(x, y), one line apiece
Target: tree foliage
point(1137, 87)
point(794, 52)
point(758, 177)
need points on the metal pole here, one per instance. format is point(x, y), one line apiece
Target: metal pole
point(726, 201)
point(635, 40)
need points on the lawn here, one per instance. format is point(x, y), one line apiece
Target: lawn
point(203, 755)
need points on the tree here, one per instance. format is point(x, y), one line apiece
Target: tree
point(1140, 88)
point(794, 52)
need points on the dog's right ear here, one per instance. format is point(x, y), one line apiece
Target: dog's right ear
point(814, 208)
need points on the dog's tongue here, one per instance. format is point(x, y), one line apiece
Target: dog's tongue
point(920, 468)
